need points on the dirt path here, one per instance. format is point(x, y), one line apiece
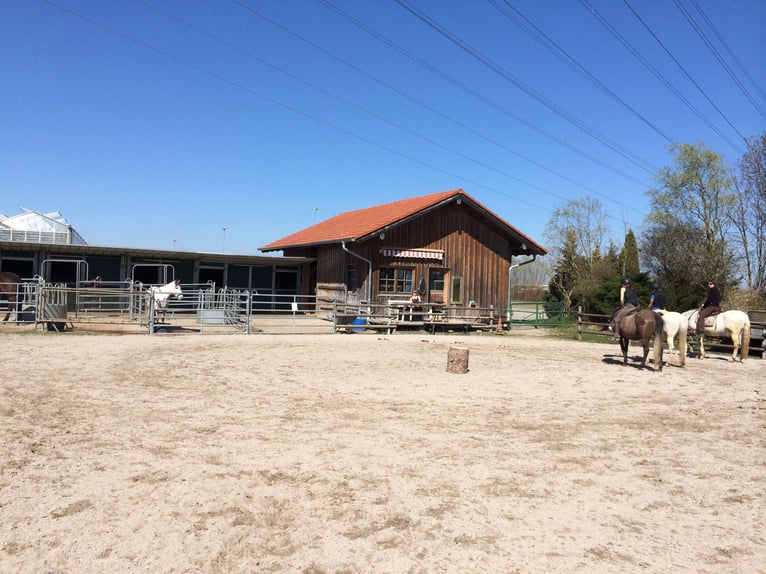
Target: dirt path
point(360, 453)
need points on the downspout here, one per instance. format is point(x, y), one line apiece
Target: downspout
point(511, 268)
point(369, 272)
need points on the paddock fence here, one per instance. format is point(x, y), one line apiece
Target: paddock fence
point(126, 306)
point(594, 324)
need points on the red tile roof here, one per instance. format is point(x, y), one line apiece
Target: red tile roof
point(358, 224)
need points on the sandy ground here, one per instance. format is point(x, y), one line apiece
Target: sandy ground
point(360, 453)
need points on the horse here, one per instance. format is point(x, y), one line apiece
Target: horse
point(10, 283)
point(161, 295)
point(641, 326)
point(675, 324)
point(733, 324)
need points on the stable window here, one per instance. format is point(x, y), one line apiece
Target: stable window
point(352, 278)
point(395, 280)
point(456, 293)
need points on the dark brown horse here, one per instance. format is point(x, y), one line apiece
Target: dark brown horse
point(642, 326)
point(10, 283)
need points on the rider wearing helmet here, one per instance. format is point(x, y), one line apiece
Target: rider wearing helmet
point(657, 299)
point(628, 302)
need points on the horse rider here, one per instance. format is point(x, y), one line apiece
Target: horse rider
point(711, 306)
point(628, 303)
point(657, 299)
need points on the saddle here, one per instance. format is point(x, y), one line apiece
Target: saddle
point(710, 319)
point(630, 311)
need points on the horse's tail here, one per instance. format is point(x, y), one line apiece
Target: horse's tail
point(683, 330)
point(745, 348)
point(658, 326)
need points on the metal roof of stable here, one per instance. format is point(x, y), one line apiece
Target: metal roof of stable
point(96, 250)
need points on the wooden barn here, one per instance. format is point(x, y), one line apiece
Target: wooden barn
point(444, 248)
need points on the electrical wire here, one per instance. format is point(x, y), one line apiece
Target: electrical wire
point(546, 42)
point(728, 49)
point(657, 74)
point(238, 85)
point(718, 57)
point(560, 111)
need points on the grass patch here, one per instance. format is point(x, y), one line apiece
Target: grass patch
point(569, 331)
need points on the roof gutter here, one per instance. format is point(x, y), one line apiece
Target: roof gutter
point(511, 268)
point(369, 269)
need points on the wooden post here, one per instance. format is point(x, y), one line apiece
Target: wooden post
point(457, 360)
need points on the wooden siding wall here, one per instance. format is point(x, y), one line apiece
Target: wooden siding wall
point(332, 264)
point(474, 249)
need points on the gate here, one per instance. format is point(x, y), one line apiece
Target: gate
point(52, 309)
point(225, 307)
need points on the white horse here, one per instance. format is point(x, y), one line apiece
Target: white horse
point(675, 324)
point(160, 296)
point(733, 324)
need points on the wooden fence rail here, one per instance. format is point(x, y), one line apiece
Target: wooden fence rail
point(587, 320)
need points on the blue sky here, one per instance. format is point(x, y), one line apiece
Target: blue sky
point(159, 123)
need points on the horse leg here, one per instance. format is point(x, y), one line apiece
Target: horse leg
point(735, 343)
point(670, 348)
point(646, 353)
point(624, 344)
point(12, 306)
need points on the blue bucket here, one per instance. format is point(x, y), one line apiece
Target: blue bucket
point(359, 321)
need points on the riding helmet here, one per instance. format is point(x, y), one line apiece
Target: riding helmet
point(655, 285)
point(625, 281)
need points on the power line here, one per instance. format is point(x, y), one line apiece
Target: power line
point(611, 144)
point(718, 57)
point(293, 109)
point(546, 42)
point(728, 49)
point(449, 79)
point(367, 111)
point(288, 107)
point(604, 22)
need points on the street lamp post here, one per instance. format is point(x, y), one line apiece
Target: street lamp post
point(224, 240)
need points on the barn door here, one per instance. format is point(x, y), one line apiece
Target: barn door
point(437, 285)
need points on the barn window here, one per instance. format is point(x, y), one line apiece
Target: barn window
point(352, 278)
point(395, 280)
point(456, 293)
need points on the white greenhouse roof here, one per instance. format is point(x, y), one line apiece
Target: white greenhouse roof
point(33, 226)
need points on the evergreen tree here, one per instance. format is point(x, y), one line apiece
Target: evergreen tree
point(628, 259)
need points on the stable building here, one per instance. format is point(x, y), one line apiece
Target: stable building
point(447, 248)
point(34, 244)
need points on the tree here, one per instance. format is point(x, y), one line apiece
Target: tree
point(749, 215)
point(566, 272)
point(628, 259)
point(664, 249)
point(688, 224)
point(585, 219)
point(579, 228)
